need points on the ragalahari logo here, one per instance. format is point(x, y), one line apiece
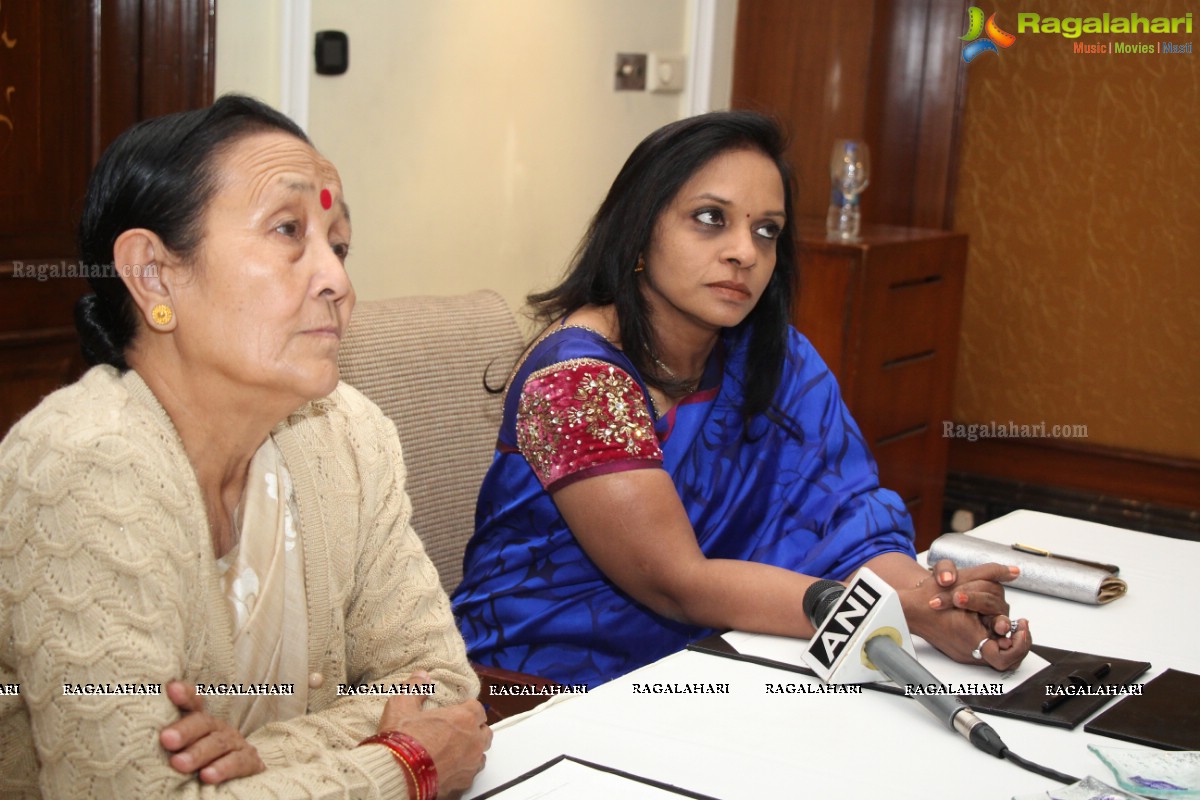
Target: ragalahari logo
point(975, 27)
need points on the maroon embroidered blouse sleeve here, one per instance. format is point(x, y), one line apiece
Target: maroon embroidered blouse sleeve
point(584, 417)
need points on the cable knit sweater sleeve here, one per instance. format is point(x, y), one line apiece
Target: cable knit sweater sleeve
point(107, 579)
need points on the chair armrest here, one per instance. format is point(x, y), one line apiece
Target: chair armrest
point(505, 693)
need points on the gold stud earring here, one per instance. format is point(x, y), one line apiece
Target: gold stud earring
point(162, 314)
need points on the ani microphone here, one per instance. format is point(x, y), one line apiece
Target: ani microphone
point(861, 632)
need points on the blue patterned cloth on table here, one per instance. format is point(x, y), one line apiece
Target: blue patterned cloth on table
point(795, 487)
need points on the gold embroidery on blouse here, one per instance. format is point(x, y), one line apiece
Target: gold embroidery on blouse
point(539, 432)
point(606, 412)
point(606, 406)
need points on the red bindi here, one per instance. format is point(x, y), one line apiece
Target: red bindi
point(326, 199)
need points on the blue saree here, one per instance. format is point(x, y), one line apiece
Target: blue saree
point(795, 487)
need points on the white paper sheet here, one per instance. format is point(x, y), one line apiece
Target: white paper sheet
point(570, 780)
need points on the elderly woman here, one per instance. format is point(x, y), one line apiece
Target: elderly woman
point(205, 546)
point(673, 456)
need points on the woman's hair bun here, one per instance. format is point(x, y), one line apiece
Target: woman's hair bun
point(96, 336)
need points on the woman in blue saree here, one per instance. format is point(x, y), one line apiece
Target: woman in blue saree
point(674, 457)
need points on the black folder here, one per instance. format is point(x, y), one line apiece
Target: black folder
point(1026, 701)
point(1165, 715)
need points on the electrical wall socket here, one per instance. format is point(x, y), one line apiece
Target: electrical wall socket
point(630, 72)
point(665, 74)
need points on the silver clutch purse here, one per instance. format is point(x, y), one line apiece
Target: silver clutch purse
point(1052, 576)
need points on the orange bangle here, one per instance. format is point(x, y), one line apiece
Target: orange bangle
point(419, 770)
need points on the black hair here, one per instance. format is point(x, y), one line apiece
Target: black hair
point(159, 175)
point(602, 270)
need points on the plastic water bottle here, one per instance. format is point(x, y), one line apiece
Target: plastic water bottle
point(850, 172)
point(844, 218)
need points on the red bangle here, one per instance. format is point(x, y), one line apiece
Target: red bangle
point(414, 759)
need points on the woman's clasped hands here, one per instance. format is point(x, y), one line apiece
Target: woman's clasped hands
point(964, 614)
point(456, 737)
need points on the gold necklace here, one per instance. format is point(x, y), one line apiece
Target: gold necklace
point(689, 384)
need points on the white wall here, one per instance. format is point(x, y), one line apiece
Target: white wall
point(474, 138)
point(248, 48)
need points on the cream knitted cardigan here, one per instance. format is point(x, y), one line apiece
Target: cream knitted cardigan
point(107, 576)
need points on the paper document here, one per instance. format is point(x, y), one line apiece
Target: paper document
point(566, 778)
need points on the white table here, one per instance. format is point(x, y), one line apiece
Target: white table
point(748, 744)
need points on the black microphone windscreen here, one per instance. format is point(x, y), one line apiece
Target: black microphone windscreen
point(819, 600)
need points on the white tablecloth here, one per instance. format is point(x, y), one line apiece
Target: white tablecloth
point(751, 744)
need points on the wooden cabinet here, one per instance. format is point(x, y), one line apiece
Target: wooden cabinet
point(884, 313)
point(39, 349)
point(72, 77)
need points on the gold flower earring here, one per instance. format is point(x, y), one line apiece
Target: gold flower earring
point(162, 314)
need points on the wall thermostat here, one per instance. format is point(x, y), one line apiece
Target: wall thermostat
point(333, 52)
